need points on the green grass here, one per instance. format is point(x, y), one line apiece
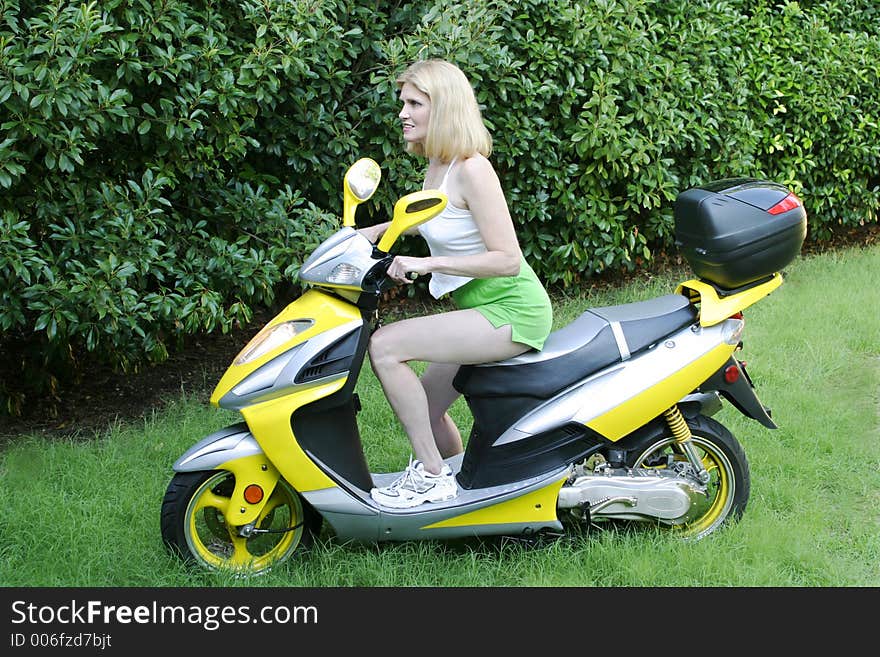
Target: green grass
point(85, 512)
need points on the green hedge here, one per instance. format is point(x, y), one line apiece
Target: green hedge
point(166, 166)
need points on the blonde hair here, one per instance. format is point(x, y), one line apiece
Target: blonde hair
point(455, 125)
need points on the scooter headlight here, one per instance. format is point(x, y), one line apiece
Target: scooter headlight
point(271, 337)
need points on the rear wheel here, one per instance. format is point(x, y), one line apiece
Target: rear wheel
point(727, 491)
point(194, 525)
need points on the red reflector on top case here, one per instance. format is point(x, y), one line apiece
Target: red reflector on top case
point(786, 204)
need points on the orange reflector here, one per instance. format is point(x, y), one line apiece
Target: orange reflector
point(253, 494)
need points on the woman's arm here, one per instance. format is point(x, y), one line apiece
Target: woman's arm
point(374, 233)
point(481, 190)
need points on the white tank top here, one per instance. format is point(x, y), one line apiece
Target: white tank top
point(453, 232)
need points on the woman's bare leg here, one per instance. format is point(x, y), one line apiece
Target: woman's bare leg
point(437, 382)
point(460, 337)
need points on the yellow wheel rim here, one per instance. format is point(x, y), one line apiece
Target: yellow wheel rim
point(721, 487)
point(220, 545)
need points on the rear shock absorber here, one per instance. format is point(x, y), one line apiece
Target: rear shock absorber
point(682, 433)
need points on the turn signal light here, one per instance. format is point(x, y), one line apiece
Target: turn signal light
point(253, 494)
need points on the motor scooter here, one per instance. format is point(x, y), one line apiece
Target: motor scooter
point(611, 421)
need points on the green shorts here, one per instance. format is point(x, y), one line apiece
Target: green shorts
point(520, 301)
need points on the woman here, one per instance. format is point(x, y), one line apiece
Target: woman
point(503, 310)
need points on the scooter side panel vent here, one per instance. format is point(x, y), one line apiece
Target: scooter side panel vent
point(335, 359)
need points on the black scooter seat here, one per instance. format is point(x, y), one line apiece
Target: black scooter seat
point(597, 338)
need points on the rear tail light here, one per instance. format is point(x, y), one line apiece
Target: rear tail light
point(789, 202)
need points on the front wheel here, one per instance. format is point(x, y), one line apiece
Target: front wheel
point(727, 491)
point(194, 525)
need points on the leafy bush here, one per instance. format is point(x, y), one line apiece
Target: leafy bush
point(167, 165)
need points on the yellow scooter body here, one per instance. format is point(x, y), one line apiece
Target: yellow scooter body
point(527, 507)
point(293, 385)
point(639, 408)
point(267, 411)
point(322, 311)
point(515, 509)
point(715, 308)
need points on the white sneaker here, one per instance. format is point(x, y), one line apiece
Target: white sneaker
point(416, 486)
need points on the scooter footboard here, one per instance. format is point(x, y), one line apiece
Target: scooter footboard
point(222, 446)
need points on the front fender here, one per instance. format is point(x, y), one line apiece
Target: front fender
point(212, 451)
point(235, 450)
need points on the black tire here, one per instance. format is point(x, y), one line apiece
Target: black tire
point(194, 528)
point(723, 457)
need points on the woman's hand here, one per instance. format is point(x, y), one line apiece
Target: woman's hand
point(405, 269)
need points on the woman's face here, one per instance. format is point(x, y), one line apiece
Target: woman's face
point(414, 114)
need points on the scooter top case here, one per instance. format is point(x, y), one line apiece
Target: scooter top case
point(736, 231)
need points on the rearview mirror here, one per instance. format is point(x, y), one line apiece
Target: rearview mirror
point(410, 211)
point(360, 183)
